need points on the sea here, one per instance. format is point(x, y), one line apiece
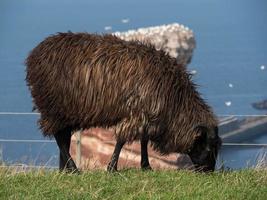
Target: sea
point(230, 59)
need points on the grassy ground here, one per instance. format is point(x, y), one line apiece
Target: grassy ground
point(133, 184)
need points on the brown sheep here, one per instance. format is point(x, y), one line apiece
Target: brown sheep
point(81, 80)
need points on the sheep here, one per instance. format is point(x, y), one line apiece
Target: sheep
point(82, 80)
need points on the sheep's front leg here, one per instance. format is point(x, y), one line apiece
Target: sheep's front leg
point(63, 139)
point(112, 166)
point(144, 155)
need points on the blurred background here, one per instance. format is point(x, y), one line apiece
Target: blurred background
point(230, 61)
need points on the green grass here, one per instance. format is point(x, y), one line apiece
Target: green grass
point(133, 184)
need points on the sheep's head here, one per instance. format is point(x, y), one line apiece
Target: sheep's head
point(205, 148)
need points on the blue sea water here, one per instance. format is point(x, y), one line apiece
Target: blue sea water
point(231, 47)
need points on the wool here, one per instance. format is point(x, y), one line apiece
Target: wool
point(82, 80)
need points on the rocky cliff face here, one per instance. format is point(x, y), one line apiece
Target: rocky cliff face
point(97, 144)
point(177, 40)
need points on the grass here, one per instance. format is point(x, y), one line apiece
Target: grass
point(133, 184)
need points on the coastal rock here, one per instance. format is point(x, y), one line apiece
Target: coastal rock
point(262, 105)
point(176, 39)
point(97, 146)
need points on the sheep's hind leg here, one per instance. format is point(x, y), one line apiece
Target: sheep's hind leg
point(63, 139)
point(144, 155)
point(112, 166)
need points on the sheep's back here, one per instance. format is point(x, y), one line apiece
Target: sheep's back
point(84, 80)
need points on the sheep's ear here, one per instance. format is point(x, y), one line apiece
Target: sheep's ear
point(201, 130)
point(214, 137)
point(213, 133)
point(201, 133)
point(206, 139)
point(210, 133)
